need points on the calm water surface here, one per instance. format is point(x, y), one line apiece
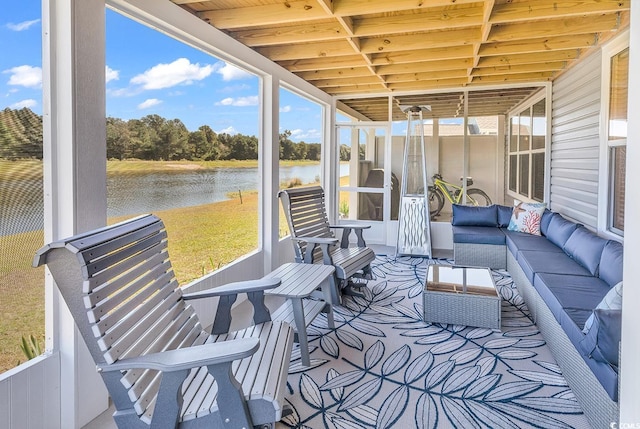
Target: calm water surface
point(135, 194)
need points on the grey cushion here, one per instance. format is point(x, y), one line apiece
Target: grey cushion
point(611, 301)
point(560, 230)
point(610, 268)
point(478, 235)
point(586, 248)
point(533, 262)
point(544, 222)
point(474, 216)
point(504, 215)
point(603, 340)
point(523, 241)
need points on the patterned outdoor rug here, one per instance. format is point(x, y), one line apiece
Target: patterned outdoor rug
point(383, 366)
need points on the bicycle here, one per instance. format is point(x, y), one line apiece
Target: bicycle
point(453, 193)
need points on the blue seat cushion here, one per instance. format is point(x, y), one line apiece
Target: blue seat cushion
point(474, 216)
point(604, 372)
point(586, 248)
point(523, 241)
point(504, 215)
point(478, 235)
point(576, 296)
point(610, 267)
point(560, 230)
point(544, 222)
point(533, 262)
point(603, 339)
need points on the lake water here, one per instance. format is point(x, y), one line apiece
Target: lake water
point(143, 193)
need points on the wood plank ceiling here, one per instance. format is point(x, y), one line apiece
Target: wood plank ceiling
point(353, 47)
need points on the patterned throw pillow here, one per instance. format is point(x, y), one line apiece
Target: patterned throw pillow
point(611, 301)
point(526, 217)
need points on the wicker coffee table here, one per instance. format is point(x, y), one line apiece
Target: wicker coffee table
point(461, 296)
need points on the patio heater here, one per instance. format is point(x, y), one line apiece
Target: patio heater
point(414, 230)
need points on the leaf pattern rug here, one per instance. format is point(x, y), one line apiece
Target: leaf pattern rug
point(383, 366)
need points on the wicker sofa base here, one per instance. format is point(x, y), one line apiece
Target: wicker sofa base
point(596, 404)
point(480, 255)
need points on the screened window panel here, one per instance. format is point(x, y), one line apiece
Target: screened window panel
point(524, 175)
point(513, 141)
point(513, 169)
point(618, 96)
point(537, 179)
point(619, 155)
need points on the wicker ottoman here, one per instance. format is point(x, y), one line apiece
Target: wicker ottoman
point(461, 296)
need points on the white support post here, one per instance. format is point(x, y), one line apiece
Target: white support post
point(74, 177)
point(629, 369)
point(270, 174)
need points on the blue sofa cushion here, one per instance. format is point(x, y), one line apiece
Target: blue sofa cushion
point(523, 241)
point(610, 268)
point(577, 296)
point(603, 340)
point(611, 301)
point(560, 230)
point(478, 235)
point(533, 262)
point(586, 248)
point(544, 222)
point(504, 215)
point(474, 216)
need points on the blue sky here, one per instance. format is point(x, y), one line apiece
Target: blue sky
point(149, 73)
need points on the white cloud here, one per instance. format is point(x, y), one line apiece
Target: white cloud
point(24, 103)
point(27, 76)
point(252, 100)
point(299, 134)
point(231, 72)
point(150, 102)
point(111, 74)
point(21, 26)
point(285, 109)
point(179, 72)
point(229, 130)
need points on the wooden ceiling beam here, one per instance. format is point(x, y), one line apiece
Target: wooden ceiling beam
point(428, 84)
point(544, 44)
point(551, 9)
point(335, 73)
point(435, 39)
point(431, 20)
point(542, 57)
point(292, 11)
point(360, 7)
point(520, 68)
point(336, 63)
point(419, 55)
point(429, 66)
point(433, 75)
point(554, 27)
point(334, 48)
point(348, 81)
point(358, 89)
point(506, 78)
point(283, 35)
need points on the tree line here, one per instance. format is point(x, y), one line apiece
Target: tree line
point(150, 138)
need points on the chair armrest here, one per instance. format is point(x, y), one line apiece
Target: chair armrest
point(317, 240)
point(346, 230)
point(235, 288)
point(189, 357)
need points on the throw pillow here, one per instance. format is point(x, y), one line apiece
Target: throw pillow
point(611, 301)
point(603, 340)
point(526, 217)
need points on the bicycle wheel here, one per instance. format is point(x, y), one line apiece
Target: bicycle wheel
point(436, 201)
point(477, 197)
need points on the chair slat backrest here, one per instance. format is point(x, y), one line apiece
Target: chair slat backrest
point(120, 287)
point(306, 216)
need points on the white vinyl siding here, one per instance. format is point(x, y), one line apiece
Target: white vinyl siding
point(575, 142)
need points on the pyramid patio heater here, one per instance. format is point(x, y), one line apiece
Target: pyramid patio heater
point(414, 231)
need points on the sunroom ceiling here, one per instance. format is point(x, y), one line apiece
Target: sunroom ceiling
point(355, 47)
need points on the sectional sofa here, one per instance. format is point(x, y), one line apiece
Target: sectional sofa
point(563, 275)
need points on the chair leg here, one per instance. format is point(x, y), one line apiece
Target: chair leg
point(349, 288)
point(336, 296)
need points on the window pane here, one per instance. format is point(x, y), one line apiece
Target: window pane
point(513, 173)
point(525, 130)
point(524, 175)
point(537, 180)
point(193, 159)
point(539, 125)
point(513, 140)
point(619, 170)
point(618, 96)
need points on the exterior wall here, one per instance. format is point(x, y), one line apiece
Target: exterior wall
point(575, 142)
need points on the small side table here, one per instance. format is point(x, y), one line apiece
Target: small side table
point(299, 281)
